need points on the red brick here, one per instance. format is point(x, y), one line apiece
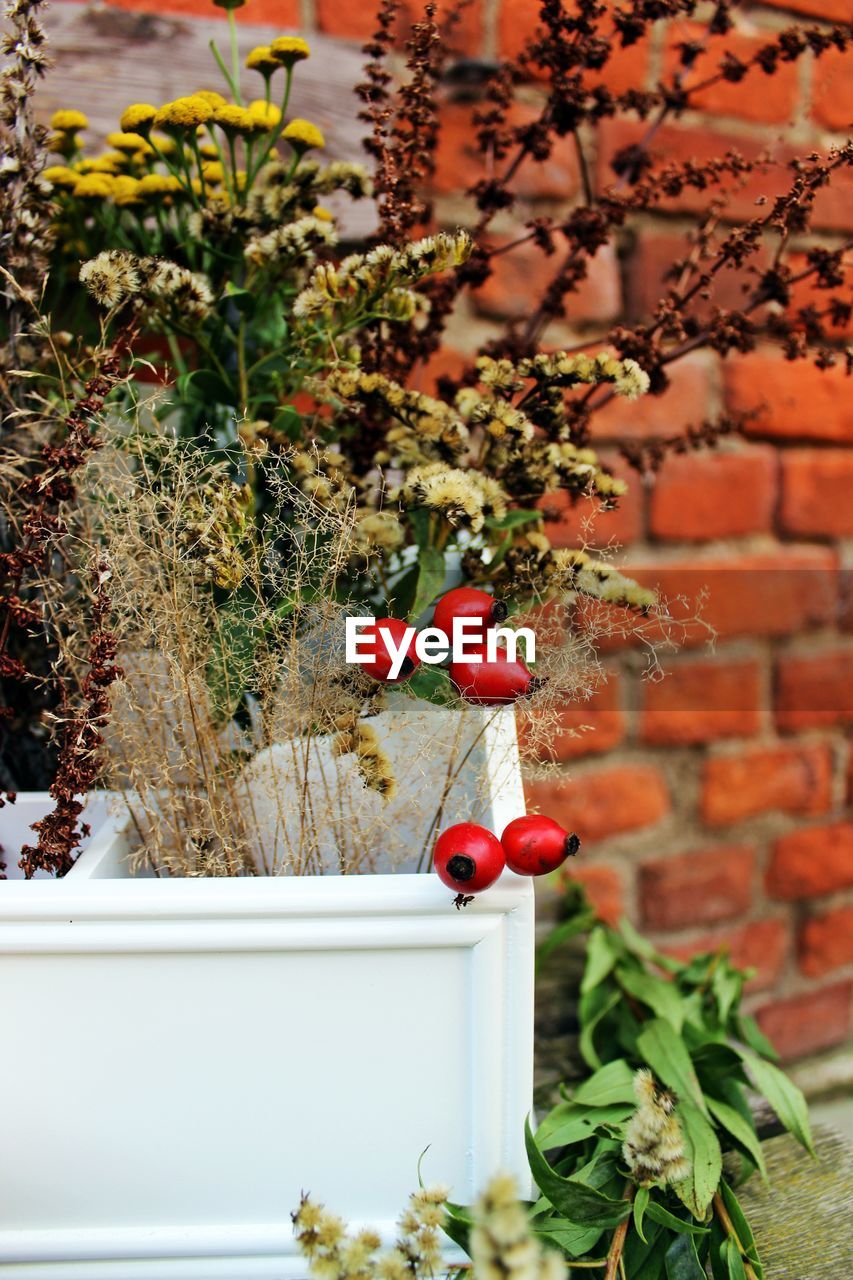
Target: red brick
point(526, 272)
point(583, 728)
point(603, 886)
point(817, 492)
point(700, 887)
point(585, 523)
point(758, 97)
point(604, 803)
point(283, 13)
point(760, 945)
point(814, 691)
point(784, 779)
point(699, 496)
point(677, 144)
point(459, 164)
point(699, 701)
point(832, 10)
point(826, 942)
point(760, 594)
point(809, 1022)
point(358, 21)
point(832, 92)
point(684, 402)
point(812, 863)
point(519, 21)
point(790, 399)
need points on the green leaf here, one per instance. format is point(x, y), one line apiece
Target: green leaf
point(664, 1051)
point(569, 1123)
point(563, 932)
point(458, 1223)
point(734, 1262)
point(702, 1148)
point(727, 987)
point(601, 957)
point(419, 519)
point(288, 422)
point(432, 684)
point(742, 1132)
point(611, 1083)
point(513, 519)
point(582, 1205)
point(230, 668)
point(206, 385)
point(565, 1237)
point(784, 1097)
point(750, 1032)
point(659, 1214)
point(594, 1007)
point(431, 575)
point(643, 949)
point(743, 1229)
point(660, 996)
point(682, 1260)
point(641, 1202)
point(245, 300)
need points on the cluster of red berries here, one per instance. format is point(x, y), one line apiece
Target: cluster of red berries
point(476, 679)
point(469, 858)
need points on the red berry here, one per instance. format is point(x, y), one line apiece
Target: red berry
point(468, 858)
point(490, 684)
point(468, 602)
point(375, 638)
point(534, 845)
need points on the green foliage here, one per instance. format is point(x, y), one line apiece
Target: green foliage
point(642, 1011)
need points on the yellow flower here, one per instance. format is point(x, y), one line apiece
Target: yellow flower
point(64, 144)
point(98, 164)
point(266, 113)
point(69, 121)
point(138, 117)
point(59, 175)
point(261, 59)
point(184, 113)
point(126, 190)
point(133, 143)
point(167, 146)
point(208, 151)
point(289, 49)
point(324, 214)
point(94, 186)
point(158, 184)
point(303, 135)
point(213, 171)
point(211, 97)
point(235, 119)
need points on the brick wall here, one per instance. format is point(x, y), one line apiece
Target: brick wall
point(714, 805)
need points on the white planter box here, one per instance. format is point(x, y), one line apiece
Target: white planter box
point(184, 1057)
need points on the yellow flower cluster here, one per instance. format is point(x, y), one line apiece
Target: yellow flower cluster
point(333, 1254)
point(184, 113)
point(628, 379)
point(464, 498)
point(283, 51)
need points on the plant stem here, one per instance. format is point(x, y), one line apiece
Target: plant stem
point(617, 1244)
point(235, 57)
point(730, 1230)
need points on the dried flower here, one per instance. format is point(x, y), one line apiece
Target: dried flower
point(654, 1144)
point(501, 1244)
point(112, 277)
